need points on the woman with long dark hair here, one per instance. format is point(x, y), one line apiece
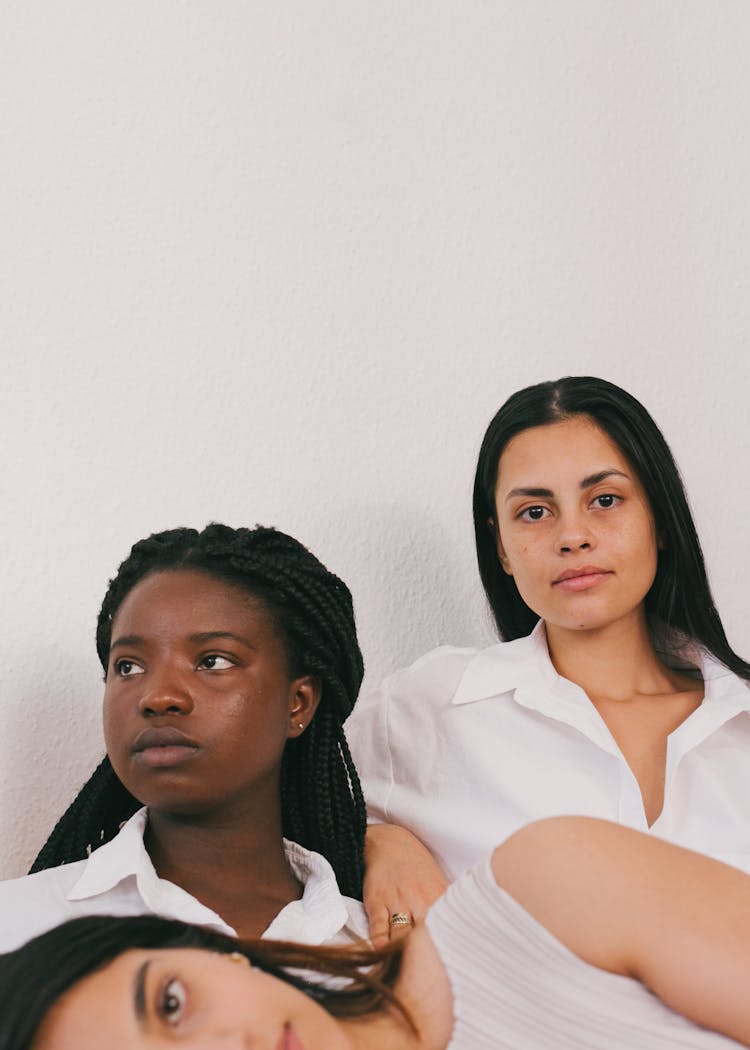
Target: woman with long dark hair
point(614, 692)
point(517, 954)
point(227, 796)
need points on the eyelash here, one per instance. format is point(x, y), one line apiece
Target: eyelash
point(608, 495)
point(167, 996)
point(216, 656)
point(122, 663)
point(522, 515)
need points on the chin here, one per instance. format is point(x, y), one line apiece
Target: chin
point(589, 622)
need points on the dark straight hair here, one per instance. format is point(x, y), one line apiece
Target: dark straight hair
point(34, 977)
point(680, 597)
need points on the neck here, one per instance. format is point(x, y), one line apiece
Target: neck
point(616, 661)
point(236, 867)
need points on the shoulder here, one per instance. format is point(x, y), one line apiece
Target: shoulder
point(50, 881)
point(438, 671)
point(449, 672)
point(33, 903)
point(431, 680)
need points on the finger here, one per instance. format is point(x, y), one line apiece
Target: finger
point(400, 931)
point(379, 926)
point(400, 923)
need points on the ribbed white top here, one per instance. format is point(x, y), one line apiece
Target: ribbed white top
point(515, 986)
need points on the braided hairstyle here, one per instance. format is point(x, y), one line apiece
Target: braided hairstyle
point(321, 797)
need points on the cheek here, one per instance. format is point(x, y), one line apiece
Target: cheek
point(523, 557)
point(108, 719)
point(637, 537)
point(114, 717)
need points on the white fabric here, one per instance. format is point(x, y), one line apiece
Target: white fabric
point(119, 879)
point(466, 746)
point(515, 987)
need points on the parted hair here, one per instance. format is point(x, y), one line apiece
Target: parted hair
point(680, 597)
point(34, 977)
point(322, 804)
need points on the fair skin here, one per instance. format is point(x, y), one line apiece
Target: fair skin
point(622, 901)
point(198, 706)
point(575, 530)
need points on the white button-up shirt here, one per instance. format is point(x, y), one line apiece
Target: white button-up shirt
point(119, 879)
point(465, 746)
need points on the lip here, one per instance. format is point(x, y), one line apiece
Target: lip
point(582, 578)
point(289, 1040)
point(166, 746)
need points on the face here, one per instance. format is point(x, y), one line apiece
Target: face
point(199, 702)
point(186, 997)
point(575, 529)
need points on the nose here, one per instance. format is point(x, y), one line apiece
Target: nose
point(573, 533)
point(165, 693)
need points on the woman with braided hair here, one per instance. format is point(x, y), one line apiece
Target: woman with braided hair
point(228, 796)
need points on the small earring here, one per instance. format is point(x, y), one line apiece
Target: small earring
point(238, 957)
point(300, 725)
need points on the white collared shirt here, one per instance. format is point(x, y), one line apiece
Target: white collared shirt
point(466, 746)
point(119, 879)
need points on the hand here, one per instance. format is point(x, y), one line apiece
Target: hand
point(401, 878)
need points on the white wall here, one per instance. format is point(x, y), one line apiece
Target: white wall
point(280, 263)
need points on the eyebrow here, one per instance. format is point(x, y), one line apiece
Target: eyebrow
point(210, 636)
point(127, 639)
point(586, 483)
point(200, 638)
point(139, 993)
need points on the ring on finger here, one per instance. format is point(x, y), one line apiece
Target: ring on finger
point(401, 918)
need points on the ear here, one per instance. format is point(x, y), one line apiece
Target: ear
point(304, 697)
point(504, 563)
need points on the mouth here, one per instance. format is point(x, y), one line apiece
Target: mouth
point(156, 748)
point(581, 579)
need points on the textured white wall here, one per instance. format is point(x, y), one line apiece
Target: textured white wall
point(281, 262)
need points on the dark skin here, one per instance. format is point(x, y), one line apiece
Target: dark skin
point(201, 662)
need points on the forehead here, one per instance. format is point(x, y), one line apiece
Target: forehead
point(190, 599)
point(94, 1005)
point(105, 1000)
point(557, 454)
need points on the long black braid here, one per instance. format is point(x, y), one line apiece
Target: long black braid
point(322, 804)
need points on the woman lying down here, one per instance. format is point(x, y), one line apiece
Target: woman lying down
point(575, 933)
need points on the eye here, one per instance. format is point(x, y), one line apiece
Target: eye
point(607, 500)
point(214, 662)
point(127, 668)
point(172, 1001)
point(535, 513)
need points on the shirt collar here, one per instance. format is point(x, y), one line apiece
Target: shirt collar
point(508, 666)
point(322, 911)
point(123, 856)
point(320, 914)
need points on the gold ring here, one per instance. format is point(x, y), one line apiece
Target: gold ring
point(401, 918)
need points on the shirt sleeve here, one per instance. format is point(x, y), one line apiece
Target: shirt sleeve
point(367, 734)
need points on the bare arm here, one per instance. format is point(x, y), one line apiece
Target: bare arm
point(634, 905)
point(401, 875)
